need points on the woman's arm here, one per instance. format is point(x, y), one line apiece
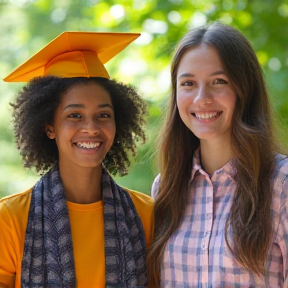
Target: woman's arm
point(7, 251)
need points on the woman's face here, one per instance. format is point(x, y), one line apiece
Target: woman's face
point(206, 97)
point(84, 126)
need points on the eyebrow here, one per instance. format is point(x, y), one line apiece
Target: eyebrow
point(184, 75)
point(83, 106)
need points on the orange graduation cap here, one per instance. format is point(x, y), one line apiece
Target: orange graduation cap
point(74, 54)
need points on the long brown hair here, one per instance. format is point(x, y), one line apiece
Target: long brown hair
point(251, 139)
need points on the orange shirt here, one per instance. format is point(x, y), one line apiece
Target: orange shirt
point(87, 227)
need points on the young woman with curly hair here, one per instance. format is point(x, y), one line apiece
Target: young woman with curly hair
point(221, 199)
point(76, 227)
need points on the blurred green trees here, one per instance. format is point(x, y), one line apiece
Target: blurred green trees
point(28, 25)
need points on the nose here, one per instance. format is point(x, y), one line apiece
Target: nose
point(90, 126)
point(203, 96)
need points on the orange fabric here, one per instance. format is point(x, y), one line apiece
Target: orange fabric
point(88, 243)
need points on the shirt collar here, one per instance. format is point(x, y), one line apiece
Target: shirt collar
point(229, 168)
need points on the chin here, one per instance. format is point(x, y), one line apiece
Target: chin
point(206, 136)
point(91, 165)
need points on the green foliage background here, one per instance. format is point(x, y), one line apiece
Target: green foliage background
point(28, 25)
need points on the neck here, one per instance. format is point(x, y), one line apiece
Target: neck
point(83, 185)
point(215, 154)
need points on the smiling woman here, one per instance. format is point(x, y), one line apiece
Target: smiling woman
point(83, 128)
point(221, 198)
point(71, 124)
point(206, 100)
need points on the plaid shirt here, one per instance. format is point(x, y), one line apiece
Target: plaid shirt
point(197, 255)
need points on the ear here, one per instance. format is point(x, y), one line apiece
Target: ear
point(50, 131)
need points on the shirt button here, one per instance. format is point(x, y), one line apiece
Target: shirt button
point(203, 245)
point(208, 216)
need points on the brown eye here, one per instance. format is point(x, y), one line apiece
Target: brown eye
point(104, 115)
point(75, 116)
point(220, 81)
point(187, 83)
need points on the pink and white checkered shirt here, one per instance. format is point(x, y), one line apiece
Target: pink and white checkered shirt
point(197, 255)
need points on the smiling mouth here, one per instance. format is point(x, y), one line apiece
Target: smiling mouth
point(88, 145)
point(206, 115)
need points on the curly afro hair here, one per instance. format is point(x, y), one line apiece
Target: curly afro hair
point(36, 105)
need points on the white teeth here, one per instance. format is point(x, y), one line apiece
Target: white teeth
point(88, 145)
point(206, 115)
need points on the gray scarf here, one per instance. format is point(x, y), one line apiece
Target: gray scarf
point(48, 250)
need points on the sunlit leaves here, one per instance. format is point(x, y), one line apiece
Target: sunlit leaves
point(28, 25)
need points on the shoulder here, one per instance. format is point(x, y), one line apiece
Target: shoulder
point(280, 181)
point(280, 197)
point(139, 198)
point(281, 163)
point(16, 202)
point(144, 203)
point(14, 211)
point(280, 172)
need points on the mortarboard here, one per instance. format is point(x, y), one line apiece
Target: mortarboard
point(74, 54)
